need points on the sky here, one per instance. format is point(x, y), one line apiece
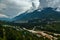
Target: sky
point(11, 8)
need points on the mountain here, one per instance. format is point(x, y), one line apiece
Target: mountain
point(4, 19)
point(46, 13)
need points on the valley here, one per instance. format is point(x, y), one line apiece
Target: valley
point(16, 31)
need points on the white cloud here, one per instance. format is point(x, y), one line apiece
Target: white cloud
point(3, 16)
point(53, 3)
point(50, 3)
point(14, 7)
point(21, 3)
point(58, 8)
point(36, 2)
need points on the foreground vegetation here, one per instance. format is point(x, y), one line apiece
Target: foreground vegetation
point(9, 31)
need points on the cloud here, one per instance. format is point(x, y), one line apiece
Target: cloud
point(43, 3)
point(2, 6)
point(3, 16)
point(36, 3)
point(50, 3)
point(54, 3)
point(14, 7)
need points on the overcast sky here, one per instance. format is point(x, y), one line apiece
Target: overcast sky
point(11, 8)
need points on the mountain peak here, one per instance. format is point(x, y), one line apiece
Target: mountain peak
point(46, 13)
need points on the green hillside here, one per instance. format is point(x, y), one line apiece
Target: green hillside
point(14, 32)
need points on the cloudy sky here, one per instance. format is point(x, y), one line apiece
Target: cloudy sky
point(11, 8)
